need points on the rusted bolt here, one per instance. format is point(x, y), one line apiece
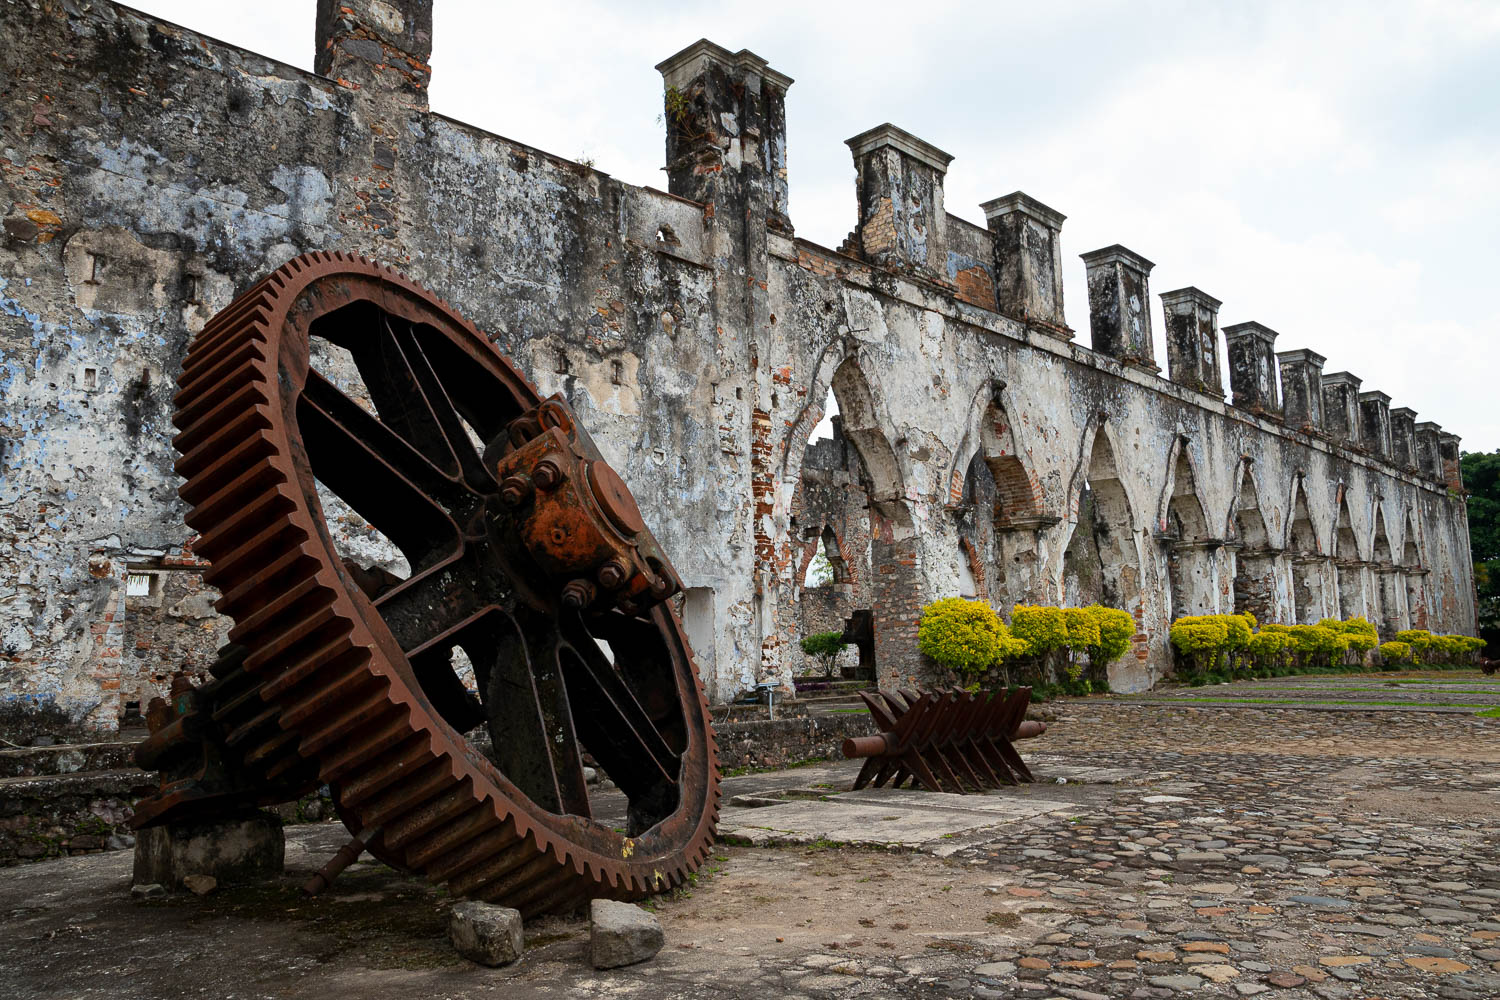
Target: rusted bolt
point(559, 536)
point(578, 594)
point(660, 587)
point(546, 475)
point(515, 490)
point(613, 574)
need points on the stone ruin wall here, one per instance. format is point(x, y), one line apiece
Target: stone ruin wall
point(151, 173)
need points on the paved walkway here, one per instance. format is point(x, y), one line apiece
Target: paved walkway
point(1203, 850)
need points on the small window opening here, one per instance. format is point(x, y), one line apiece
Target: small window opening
point(97, 263)
point(616, 372)
point(666, 237)
point(562, 363)
point(91, 378)
point(140, 584)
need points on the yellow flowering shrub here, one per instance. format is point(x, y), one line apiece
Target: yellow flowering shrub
point(1042, 629)
point(965, 636)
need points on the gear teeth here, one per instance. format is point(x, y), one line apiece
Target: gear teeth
point(308, 691)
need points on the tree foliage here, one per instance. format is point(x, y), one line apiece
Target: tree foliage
point(1481, 474)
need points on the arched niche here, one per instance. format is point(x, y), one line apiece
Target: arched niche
point(999, 510)
point(1101, 564)
point(1414, 569)
point(1256, 570)
point(1389, 592)
point(1309, 564)
point(895, 570)
point(1191, 548)
point(1348, 564)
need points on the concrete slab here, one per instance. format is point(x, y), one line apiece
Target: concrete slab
point(935, 822)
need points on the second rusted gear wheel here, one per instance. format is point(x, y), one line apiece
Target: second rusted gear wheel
point(526, 552)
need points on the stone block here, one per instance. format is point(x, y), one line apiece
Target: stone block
point(484, 933)
point(235, 850)
point(622, 934)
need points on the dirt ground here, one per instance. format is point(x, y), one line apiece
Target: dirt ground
point(1194, 850)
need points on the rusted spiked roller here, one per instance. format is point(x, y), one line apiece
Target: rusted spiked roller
point(526, 552)
point(946, 742)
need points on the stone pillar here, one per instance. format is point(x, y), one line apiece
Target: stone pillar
point(1302, 389)
point(1416, 597)
point(1314, 590)
point(896, 595)
point(1350, 574)
point(725, 114)
point(1252, 368)
point(1193, 576)
point(1255, 590)
point(1375, 423)
point(899, 180)
point(1341, 408)
point(1192, 318)
point(1448, 456)
point(1392, 601)
point(1120, 305)
point(381, 44)
point(1404, 437)
point(1429, 457)
point(1028, 262)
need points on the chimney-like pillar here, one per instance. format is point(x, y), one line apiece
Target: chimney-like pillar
point(1404, 437)
point(1375, 422)
point(1429, 458)
point(1192, 318)
point(1028, 262)
point(381, 44)
point(1341, 408)
point(1302, 389)
point(899, 180)
point(1448, 458)
point(1252, 368)
point(1120, 305)
point(725, 114)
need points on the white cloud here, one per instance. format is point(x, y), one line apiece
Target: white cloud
point(1329, 169)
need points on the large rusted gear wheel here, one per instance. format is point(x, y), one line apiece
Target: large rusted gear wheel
point(525, 550)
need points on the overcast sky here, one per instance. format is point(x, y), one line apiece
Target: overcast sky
point(1331, 170)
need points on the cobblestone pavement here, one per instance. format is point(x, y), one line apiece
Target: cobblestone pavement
point(1204, 850)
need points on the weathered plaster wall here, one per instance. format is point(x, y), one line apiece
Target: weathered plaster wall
point(149, 174)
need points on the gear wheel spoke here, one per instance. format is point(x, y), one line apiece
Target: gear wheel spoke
point(521, 548)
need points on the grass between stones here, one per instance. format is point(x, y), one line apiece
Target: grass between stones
point(1329, 701)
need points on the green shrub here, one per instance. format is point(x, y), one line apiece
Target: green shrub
point(1116, 628)
point(825, 647)
point(965, 636)
point(1042, 629)
point(1200, 639)
point(1268, 649)
point(1395, 652)
point(1083, 628)
point(1318, 645)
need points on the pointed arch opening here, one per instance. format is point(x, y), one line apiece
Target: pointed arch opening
point(1254, 558)
point(999, 511)
point(1414, 567)
point(1308, 563)
point(1348, 566)
point(1389, 592)
point(829, 532)
point(1192, 551)
point(1101, 563)
point(895, 576)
